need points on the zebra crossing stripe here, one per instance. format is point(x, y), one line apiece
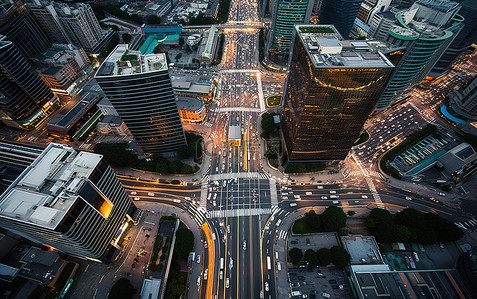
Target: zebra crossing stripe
point(237, 213)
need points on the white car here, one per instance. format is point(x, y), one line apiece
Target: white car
point(324, 197)
point(150, 193)
point(244, 246)
point(227, 283)
point(319, 187)
point(267, 288)
point(137, 198)
point(133, 193)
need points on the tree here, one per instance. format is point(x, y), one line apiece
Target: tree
point(267, 123)
point(178, 56)
point(313, 220)
point(115, 153)
point(184, 242)
point(122, 289)
point(175, 166)
point(311, 258)
point(351, 213)
point(295, 255)
point(446, 231)
point(162, 166)
point(324, 256)
point(153, 19)
point(339, 256)
point(333, 218)
point(127, 38)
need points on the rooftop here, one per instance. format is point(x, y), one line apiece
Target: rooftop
point(327, 49)
point(43, 194)
point(362, 249)
point(123, 61)
point(189, 103)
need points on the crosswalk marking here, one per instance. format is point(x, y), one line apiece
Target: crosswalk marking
point(238, 175)
point(358, 173)
point(282, 234)
point(237, 213)
point(240, 109)
point(239, 71)
point(273, 193)
point(199, 215)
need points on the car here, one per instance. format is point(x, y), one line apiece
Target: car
point(133, 193)
point(308, 241)
point(408, 198)
point(294, 242)
point(150, 193)
point(364, 196)
point(198, 281)
point(332, 281)
point(227, 283)
point(335, 287)
point(441, 245)
point(206, 274)
point(319, 187)
point(205, 244)
point(244, 246)
point(332, 191)
point(221, 275)
point(137, 198)
point(324, 197)
point(267, 287)
point(231, 264)
point(198, 259)
point(228, 228)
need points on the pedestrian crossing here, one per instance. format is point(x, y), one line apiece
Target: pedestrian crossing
point(206, 124)
point(372, 188)
point(238, 175)
point(203, 195)
point(199, 214)
point(229, 71)
point(273, 193)
point(282, 234)
point(465, 225)
point(359, 173)
point(240, 109)
point(237, 213)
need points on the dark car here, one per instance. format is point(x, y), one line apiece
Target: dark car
point(133, 266)
point(136, 260)
point(301, 277)
point(335, 287)
point(309, 269)
point(308, 241)
point(332, 281)
point(294, 242)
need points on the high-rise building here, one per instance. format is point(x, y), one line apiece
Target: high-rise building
point(370, 7)
point(462, 42)
point(70, 23)
point(140, 89)
point(340, 13)
point(425, 30)
point(380, 25)
point(24, 98)
point(315, 12)
point(331, 88)
point(286, 14)
point(68, 200)
point(463, 102)
point(19, 25)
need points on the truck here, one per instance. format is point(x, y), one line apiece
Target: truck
point(295, 293)
point(269, 263)
point(221, 263)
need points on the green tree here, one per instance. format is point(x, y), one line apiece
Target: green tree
point(153, 19)
point(333, 218)
point(186, 168)
point(127, 38)
point(313, 220)
point(175, 166)
point(122, 289)
point(184, 242)
point(295, 255)
point(311, 258)
point(115, 153)
point(178, 56)
point(339, 256)
point(267, 123)
point(446, 231)
point(162, 166)
point(324, 256)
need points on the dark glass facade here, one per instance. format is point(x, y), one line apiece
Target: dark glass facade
point(340, 13)
point(21, 27)
point(22, 92)
point(325, 108)
point(147, 104)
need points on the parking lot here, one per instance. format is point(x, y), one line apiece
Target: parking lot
point(316, 282)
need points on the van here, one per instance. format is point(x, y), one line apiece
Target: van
point(221, 275)
point(293, 204)
point(308, 193)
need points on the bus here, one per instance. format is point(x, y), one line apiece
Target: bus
point(269, 263)
point(221, 263)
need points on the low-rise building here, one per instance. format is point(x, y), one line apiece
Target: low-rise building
point(208, 45)
point(202, 87)
point(191, 110)
point(111, 124)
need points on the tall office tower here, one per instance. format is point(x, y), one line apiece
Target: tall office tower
point(340, 13)
point(24, 98)
point(140, 89)
point(331, 88)
point(462, 42)
point(315, 12)
point(68, 200)
point(463, 102)
point(425, 30)
point(380, 25)
point(19, 25)
point(70, 23)
point(370, 7)
point(286, 14)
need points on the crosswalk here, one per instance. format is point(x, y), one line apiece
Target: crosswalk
point(199, 214)
point(206, 124)
point(358, 173)
point(469, 224)
point(239, 71)
point(203, 195)
point(374, 192)
point(240, 109)
point(282, 234)
point(273, 193)
point(238, 175)
point(237, 213)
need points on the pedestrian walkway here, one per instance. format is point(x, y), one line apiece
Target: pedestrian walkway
point(239, 71)
point(240, 109)
point(358, 173)
point(282, 234)
point(261, 99)
point(369, 181)
point(237, 213)
point(198, 214)
point(203, 195)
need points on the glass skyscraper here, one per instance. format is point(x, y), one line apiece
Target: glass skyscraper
point(286, 14)
point(425, 30)
point(140, 89)
point(340, 13)
point(24, 98)
point(332, 86)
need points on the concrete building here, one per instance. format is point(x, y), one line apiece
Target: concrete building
point(24, 98)
point(140, 89)
point(59, 79)
point(17, 156)
point(150, 288)
point(61, 54)
point(463, 102)
point(369, 8)
point(106, 107)
point(70, 201)
point(191, 110)
point(380, 25)
point(189, 85)
point(425, 31)
point(208, 45)
point(331, 88)
point(72, 23)
point(111, 124)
